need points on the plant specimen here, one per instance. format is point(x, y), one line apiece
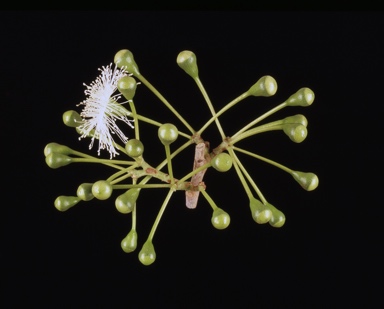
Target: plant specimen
point(109, 112)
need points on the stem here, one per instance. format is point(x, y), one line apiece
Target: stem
point(273, 110)
point(238, 171)
point(253, 184)
point(161, 211)
point(276, 125)
point(209, 199)
point(278, 165)
point(162, 99)
point(141, 186)
point(134, 211)
point(195, 171)
point(206, 97)
point(224, 109)
point(136, 120)
point(169, 161)
point(148, 120)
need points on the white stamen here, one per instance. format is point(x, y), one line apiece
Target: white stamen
point(101, 110)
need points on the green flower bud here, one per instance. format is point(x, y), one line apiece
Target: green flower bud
point(84, 191)
point(296, 132)
point(278, 218)
point(56, 160)
point(309, 181)
point(129, 243)
point(126, 202)
point(220, 219)
point(124, 59)
point(57, 148)
point(127, 86)
point(222, 162)
point(187, 61)
point(303, 97)
point(296, 119)
point(134, 148)
point(260, 213)
point(168, 133)
point(63, 202)
point(266, 86)
point(147, 254)
point(102, 189)
point(72, 119)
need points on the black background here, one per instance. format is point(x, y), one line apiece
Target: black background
point(328, 253)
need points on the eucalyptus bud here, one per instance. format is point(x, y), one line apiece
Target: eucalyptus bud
point(296, 119)
point(187, 61)
point(147, 254)
point(278, 217)
point(309, 181)
point(296, 132)
point(266, 86)
point(168, 133)
point(57, 148)
point(56, 160)
point(129, 243)
point(84, 191)
point(72, 119)
point(124, 59)
point(260, 213)
point(220, 219)
point(102, 189)
point(303, 97)
point(127, 86)
point(63, 202)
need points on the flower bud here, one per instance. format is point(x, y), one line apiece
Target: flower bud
point(296, 132)
point(147, 254)
point(309, 181)
point(222, 162)
point(296, 119)
point(56, 160)
point(72, 119)
point(57, 148)
point(168, 133)
point(84, 191)
point(129, 243)
point(134, 148)
point(266, 86)
point(63, 202)
point(124, 59)
point(303, 97)
point(260, 213)
point(126, 202)
point(102, 189)
point(220, 219)
point(127, 86)
point(278, 218)
point(187, 61)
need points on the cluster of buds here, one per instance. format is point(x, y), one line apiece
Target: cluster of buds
point(103, 109)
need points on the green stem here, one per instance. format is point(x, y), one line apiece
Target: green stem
point(264, 128)
point(278, 165)
point(155, 123)
point(253, 184)
point(273, 110)
point(159, 215)
point(169, 162)
point(239, 174)
point(224, 109)
point(136, 120)
point(209, 199)
point(162, 99)
point(141, 186)
point(195, 171)
point(207, 99)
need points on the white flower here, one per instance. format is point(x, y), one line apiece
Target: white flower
point(101, 110)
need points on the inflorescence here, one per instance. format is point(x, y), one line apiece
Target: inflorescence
point(103, 107)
